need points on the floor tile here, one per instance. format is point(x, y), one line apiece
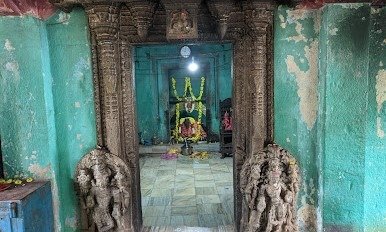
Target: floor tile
point(203, 177)
point(184, 201)
point(205, 190)
point(204, 183)
point(159, 201)
point(183, 210)
point(187, 192)
point(208, 199)
point(191, 191)
point(162, 192)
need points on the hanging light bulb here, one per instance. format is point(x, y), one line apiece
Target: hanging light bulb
point(193, 66)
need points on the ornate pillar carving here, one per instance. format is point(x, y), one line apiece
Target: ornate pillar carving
point(104, 22)
point(252, 92)
point(239, 105)
point(259, 18)
point(142, 14)
point(221, 10)
point(129, 125)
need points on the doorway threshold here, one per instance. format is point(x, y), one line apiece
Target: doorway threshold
point(162, 148)
point(229, 228)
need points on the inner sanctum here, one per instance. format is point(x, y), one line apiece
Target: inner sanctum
point(184, 118)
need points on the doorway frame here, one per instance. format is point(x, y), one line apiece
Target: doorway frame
point(250, 30)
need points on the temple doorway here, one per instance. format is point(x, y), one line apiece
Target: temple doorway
point(185, 180)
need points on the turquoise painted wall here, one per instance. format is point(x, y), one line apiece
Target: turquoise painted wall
point(296, 47)
point(152, 65)
point(27, 126)
point(339, 83)
point(46, 105)
point(70, 56)
point(345, 88)
point(375, 159)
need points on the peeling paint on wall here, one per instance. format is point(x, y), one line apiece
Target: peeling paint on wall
point(72, 222)
point(8, 46)
point(13, 67)
point(351, 5)
point(294, 17)
point(307, 218)
point(307, 82)
point(381, 98)
point(40, 172)
point(333, 31)
point(307, 213)
point(80, 67)
point(282, 21)
point(63, 18)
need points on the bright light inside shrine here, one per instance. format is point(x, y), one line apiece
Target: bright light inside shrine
point(193, 66)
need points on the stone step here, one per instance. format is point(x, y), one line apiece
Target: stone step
point(160, 149)
point(229, 228)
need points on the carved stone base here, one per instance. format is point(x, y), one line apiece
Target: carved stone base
point(269, 184)
point(103, 184)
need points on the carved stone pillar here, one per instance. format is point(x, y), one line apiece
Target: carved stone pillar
point(103, 22)
point(259, 18)
point(239, 105)
point(129, 135)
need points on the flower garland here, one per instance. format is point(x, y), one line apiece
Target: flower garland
point(176, 131)
point(188, 87)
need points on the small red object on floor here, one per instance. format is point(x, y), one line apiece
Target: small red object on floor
point(4, 187)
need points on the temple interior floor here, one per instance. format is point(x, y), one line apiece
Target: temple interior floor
point(187, 192)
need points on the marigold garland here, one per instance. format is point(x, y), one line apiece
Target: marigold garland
point(188, 87)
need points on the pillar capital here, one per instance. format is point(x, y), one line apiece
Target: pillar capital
point(258, 16)
point(103, 20)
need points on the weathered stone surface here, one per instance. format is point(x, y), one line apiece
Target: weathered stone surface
point(103, 181)
point(269, 184)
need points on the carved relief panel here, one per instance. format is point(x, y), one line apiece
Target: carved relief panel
point(103, 181)
point(269, 184)
point(181, 19)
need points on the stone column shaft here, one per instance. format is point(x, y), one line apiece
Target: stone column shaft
point(103, 21)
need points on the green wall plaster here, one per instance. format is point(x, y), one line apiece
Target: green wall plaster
point(46, 105)
point(27, 110)
point(375, 160)
point(345, 114)
point(74, 102)
point(337, 136)
point(152, 66)
point(296, 100)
